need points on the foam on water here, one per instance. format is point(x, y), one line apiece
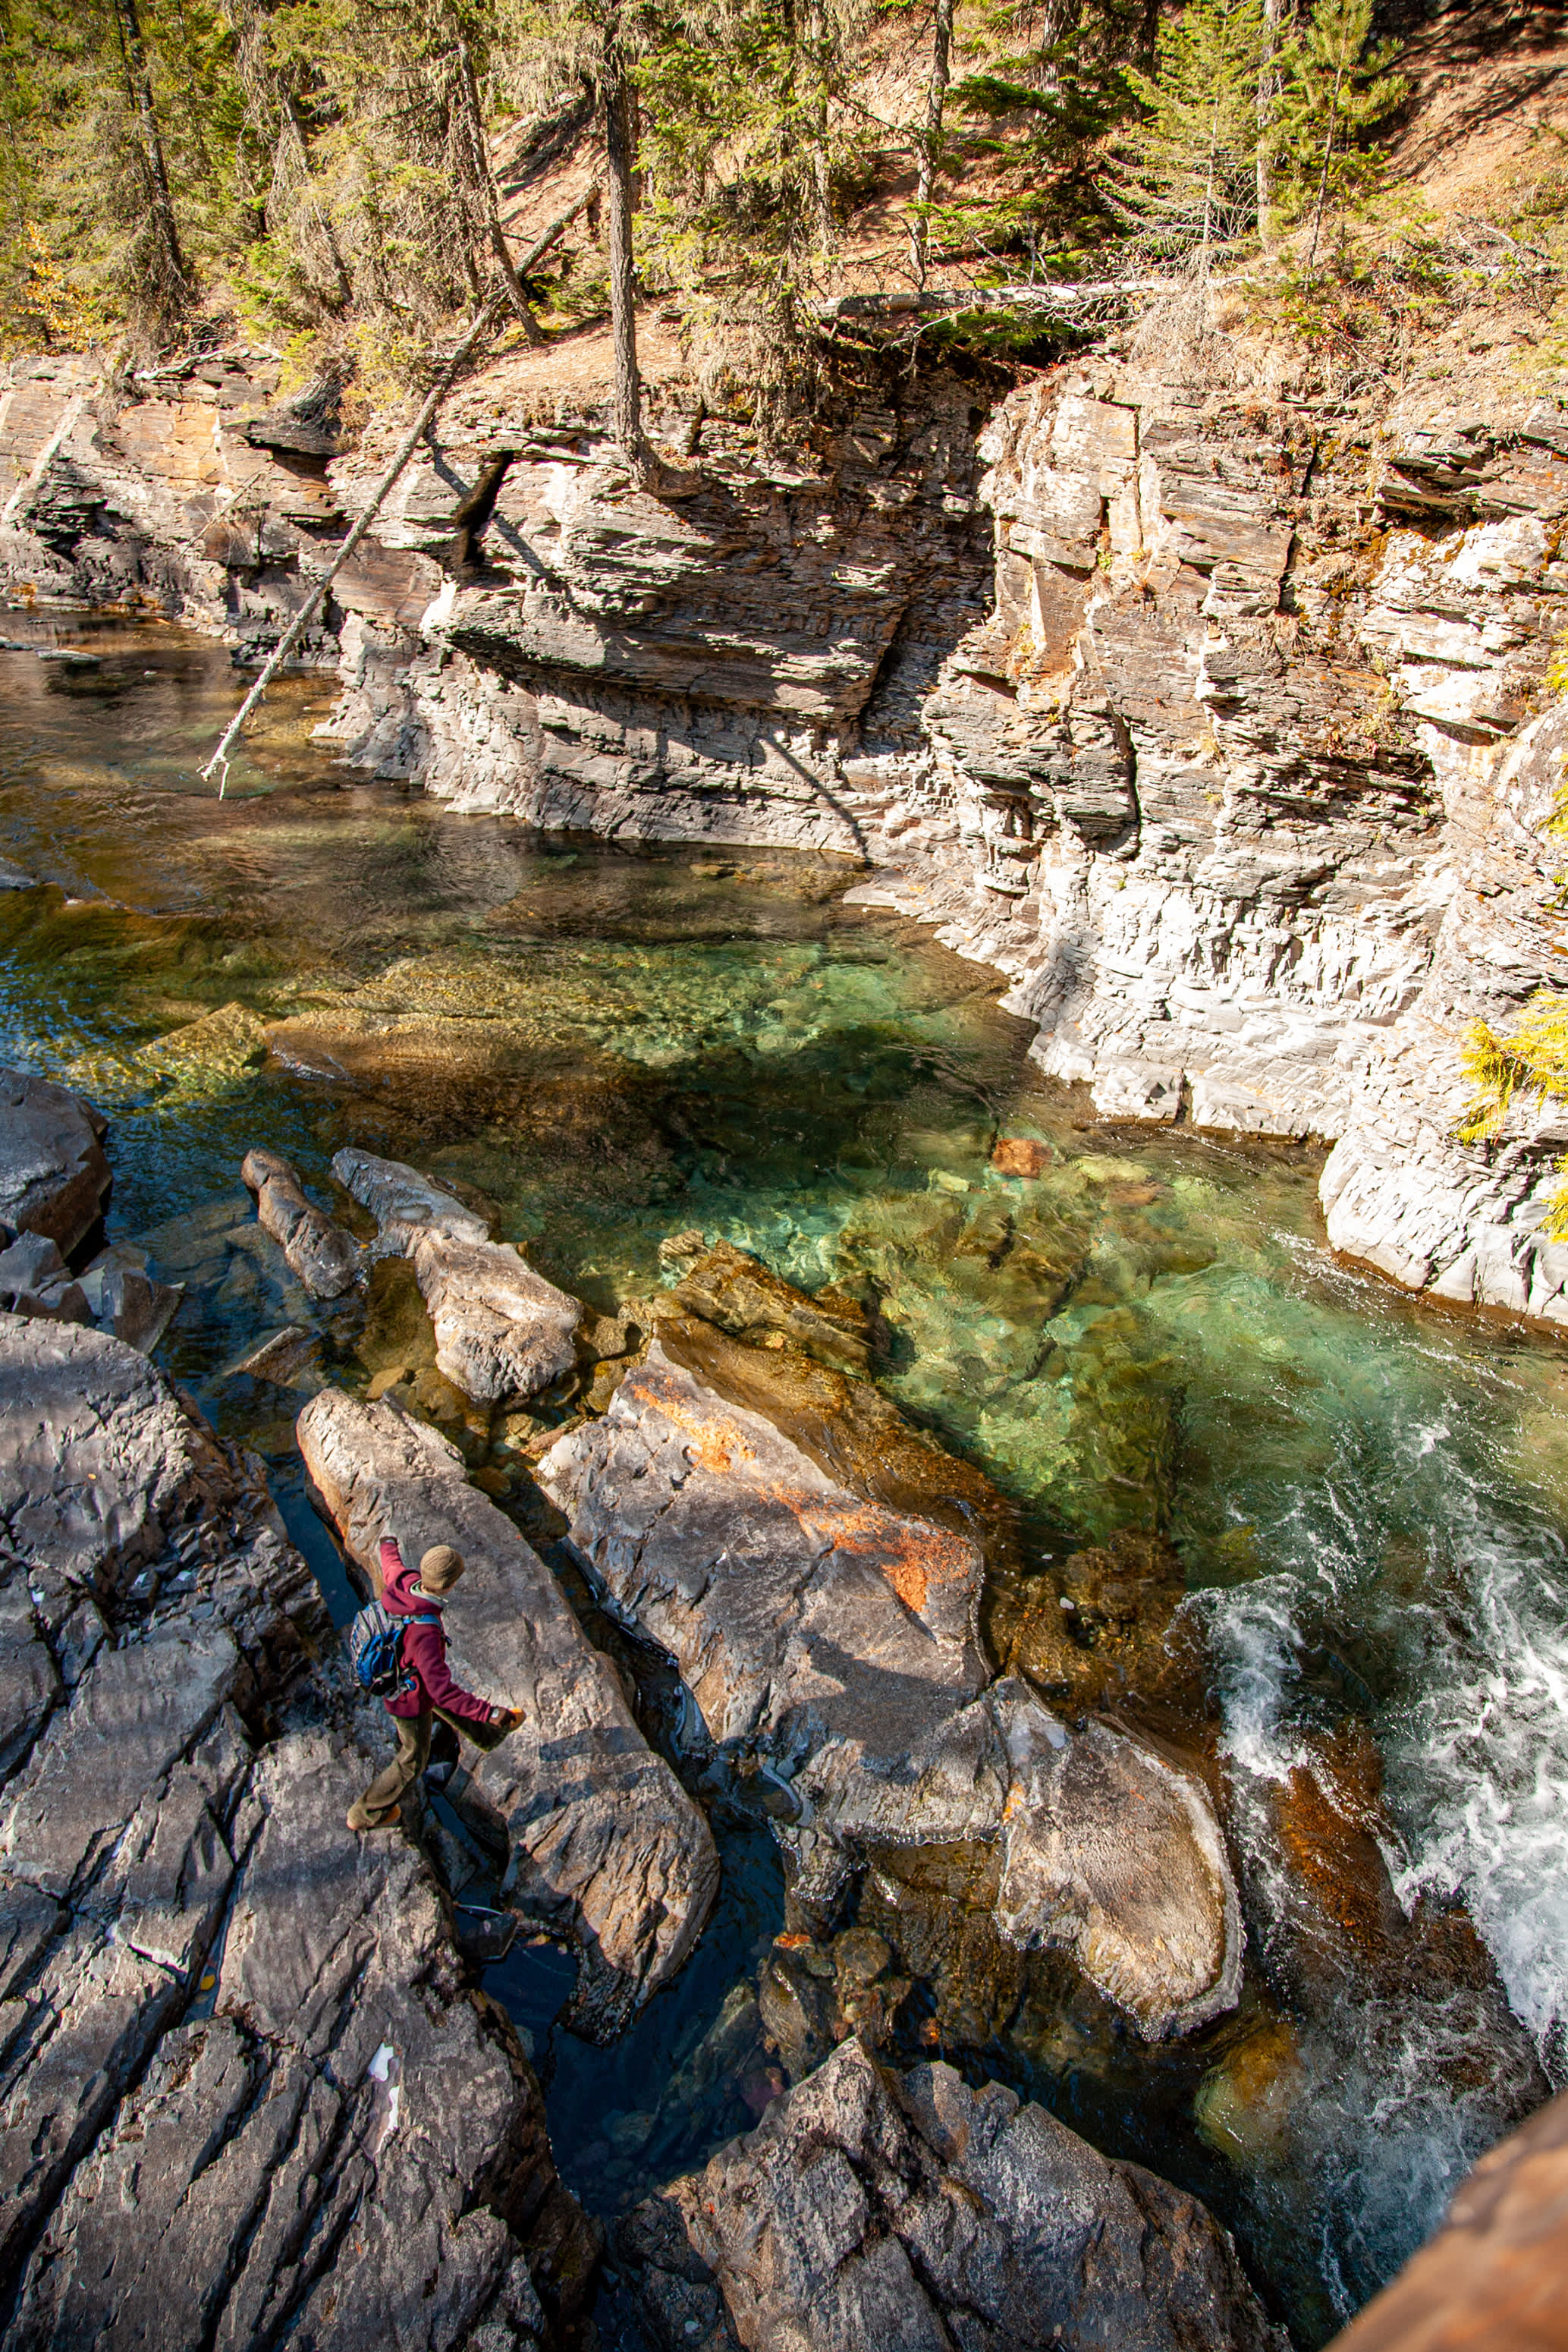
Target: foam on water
point(1400, 2096)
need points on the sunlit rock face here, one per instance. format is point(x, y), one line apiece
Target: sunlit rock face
point(871, 2206)
point(694, 662)
point(1224, 734)
point(615, 1854)
point(834, 1639)
point(1241, 783)
point(239, 2034)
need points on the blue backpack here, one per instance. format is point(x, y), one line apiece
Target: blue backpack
point(375, 1649)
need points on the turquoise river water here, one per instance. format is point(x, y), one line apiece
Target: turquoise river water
point(1367, 1494)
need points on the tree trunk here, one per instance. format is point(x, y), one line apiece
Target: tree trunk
point(176, 282)
point(931, 144)
point(292, 127)
point(1267, 97)
point(1323, 182)
point(1059, 17)
point(1209, 195)
point(489, 196)
point(620, 152)
point(815, 33)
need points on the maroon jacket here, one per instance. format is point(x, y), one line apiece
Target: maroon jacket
point(424, 1648)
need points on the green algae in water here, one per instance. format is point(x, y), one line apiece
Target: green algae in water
point(1146, 1332)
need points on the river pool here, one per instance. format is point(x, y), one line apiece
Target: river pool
point(1367, 1493)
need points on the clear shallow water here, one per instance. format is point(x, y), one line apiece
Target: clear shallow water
point(1367, 1494)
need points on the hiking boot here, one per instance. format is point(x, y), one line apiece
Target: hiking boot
point(359, 1821)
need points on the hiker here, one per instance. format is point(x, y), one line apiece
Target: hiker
point(426, 1689)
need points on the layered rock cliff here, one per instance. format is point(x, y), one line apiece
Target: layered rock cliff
point(1235, 754)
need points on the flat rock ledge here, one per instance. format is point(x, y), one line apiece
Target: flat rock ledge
point(245, 2096)
point(871, 2210)
point(605, 1844)
point(54, 1177)
point(501, 1329)
point(834, 1638)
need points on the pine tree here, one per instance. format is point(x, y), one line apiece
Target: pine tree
point(618, 107)
point(1044, 83)
point(1338, 83)
point(1269, 88)
point(1184, 180)
point(748, 143)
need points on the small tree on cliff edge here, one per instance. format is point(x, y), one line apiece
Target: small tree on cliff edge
point(1337, 84)
point(618, 109)
point(1184, 179)
point(599, 41)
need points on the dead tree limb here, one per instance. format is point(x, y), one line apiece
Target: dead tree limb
point(482, 319)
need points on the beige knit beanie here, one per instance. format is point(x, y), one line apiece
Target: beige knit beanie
point(440, 1567)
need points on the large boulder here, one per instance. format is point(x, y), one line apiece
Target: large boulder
point(501, 1329)
point(322, 1255)
point(730, 1289)
point(241, 2085)
point(833, 1638)
point(800, 1614)
point(605, 1846)
point(54, 1177)
point(870, 2209)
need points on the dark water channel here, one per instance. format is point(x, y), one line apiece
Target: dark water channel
point(1367, 1494)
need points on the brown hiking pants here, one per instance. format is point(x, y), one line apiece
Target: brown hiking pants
point(386, 1788)
point(413, 1755)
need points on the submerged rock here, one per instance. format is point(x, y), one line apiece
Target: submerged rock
point(740, 1295)
point(871, 2210)
point(54, 1177)
point(1099, 1630)
point(605, 1844)
point(397, 1195)
point(322, 1253)
point(501, 1329)
point(243, 2086)
point(851, 1431)
point(289, 1359)
point(835, 1638)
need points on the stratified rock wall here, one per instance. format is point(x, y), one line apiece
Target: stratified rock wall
point(1244, 779)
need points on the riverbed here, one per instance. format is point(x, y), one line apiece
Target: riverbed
point(1124, 1327)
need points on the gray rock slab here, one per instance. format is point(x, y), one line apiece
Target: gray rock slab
point(102, 1461)
point(325, 2132)
point(871, 2210)
point(605, 1842)
point(396, 1193)
point(133, 1717)
point(836, 1638)
point(501, 1329)
point(54, 1177)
